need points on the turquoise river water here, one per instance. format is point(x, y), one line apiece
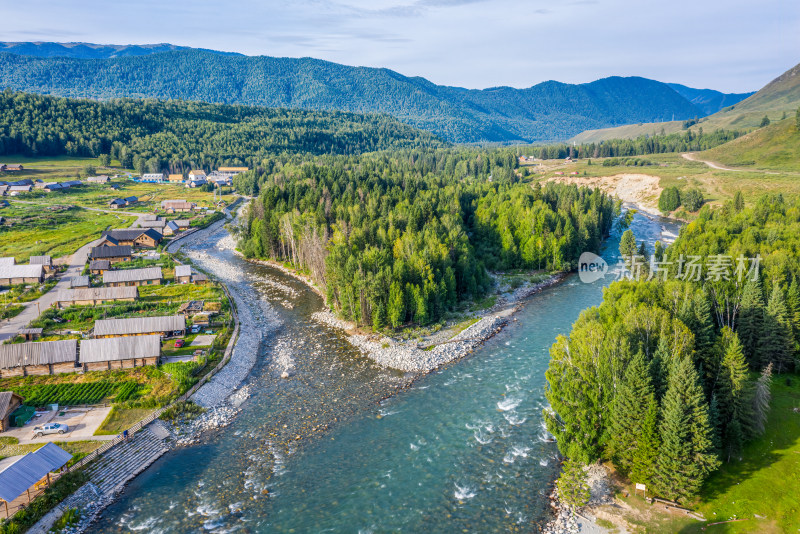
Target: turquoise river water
point(463, 449)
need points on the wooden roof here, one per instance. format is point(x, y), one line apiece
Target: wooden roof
point(100, 264)
point(139, 325)
point(5, 402)
point(21, 271)
point(79, 281)
point(120, 251)
point(183, 270)
point(120, 348)
point(132, 275)
point(37, 353)
point(41, 260)
point(97, 293)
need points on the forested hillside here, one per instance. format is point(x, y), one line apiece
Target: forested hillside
point(547, 111)
point(154, 136)
point(85, 50)
point(668, 378)
point(403, 237)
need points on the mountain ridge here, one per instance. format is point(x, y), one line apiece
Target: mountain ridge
point(544, 112)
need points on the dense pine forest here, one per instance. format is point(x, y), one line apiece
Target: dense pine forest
point(404, 237)
point(670, 377)
point(154, 136)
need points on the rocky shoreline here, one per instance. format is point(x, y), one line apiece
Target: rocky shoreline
point(410, 357)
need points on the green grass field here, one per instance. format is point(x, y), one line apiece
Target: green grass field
point(774, 148)
point(31, 230)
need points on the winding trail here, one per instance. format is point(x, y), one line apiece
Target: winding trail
point(691, 157)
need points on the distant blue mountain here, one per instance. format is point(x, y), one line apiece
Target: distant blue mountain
point(90, 50)
point(708, 101)
point(545, 112)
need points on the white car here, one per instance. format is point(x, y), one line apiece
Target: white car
point(50, 428)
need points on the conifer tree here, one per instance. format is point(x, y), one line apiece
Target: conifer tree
point(761, 400)
point(738, 201)
point(627, 245)
point(703, 330)
point(634, 436)
point(793, 306)
point(734, 395)
point(659, 367)
point(687, 455)
point(777, 343)
point(751, 321)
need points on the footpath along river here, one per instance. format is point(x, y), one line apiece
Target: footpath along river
point(461, 449)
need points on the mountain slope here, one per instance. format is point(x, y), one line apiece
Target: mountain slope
point(709, 101)
point(775, 147)
point(781, 95)
point(547, 111)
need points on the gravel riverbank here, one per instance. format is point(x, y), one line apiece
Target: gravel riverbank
point(408, 356)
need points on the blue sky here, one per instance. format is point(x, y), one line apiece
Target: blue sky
point(730, 45)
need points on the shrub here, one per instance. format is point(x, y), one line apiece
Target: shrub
point(670, 199)
point(185, 410)
point(693, 199)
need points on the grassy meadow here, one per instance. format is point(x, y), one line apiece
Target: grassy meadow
point(56, 230)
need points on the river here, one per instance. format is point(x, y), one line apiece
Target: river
point(461, 449)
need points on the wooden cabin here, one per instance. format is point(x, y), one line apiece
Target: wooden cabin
point(95, 296)
point(119, 352)
point(133, 277)
point(11, 275)
point(165, 326)
point(38, 358)
point(112, 254)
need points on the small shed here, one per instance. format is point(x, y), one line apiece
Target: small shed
point(99, 266)
point(79, 281)
point(120, 352)
point(30, 333)
point(199, 279)
point(9, 402)
point(32, 471)
point(183, 274)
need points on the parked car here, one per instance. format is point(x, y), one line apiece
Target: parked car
point(50, 428)
point(209, 331)
point(195, 329)
point(179, 343)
